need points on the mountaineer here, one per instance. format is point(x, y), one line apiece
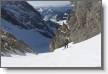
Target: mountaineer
point(66, 32)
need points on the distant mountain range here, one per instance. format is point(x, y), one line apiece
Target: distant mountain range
point(55, 12)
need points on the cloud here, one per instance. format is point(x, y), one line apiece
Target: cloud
point(48, 3)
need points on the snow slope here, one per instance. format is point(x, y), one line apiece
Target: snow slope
point(83, 54)
point(61, 22)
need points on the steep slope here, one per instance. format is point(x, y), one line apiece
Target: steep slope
point(24, 16)
point(10, 45)
point(25, 23)
point(84, 54)
point(83, 24)
point(21, 13)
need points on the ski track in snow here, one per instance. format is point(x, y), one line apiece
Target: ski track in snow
point(83, 54)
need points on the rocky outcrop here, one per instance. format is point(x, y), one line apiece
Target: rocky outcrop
point(87, 20)
point(84, 23)
point(10, 45)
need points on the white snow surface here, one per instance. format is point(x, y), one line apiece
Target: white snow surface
point(61, 22)
point(83, 54)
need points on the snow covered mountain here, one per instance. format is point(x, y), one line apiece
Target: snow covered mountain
point(24, 30)
point(83, 54)
point(55, 12)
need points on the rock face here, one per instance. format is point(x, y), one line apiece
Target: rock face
point(10, 45)
point(83, 24)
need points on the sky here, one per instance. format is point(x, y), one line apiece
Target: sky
point(48, 3)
